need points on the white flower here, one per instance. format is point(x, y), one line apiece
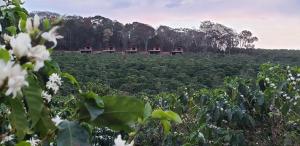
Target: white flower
point(33, 141)
point(119, 142)
point(16, 80)
point(21, 44)
point(57, 120)
point(4, 71)
point(7, 139)
point(31, 26)
point(7, 38)
point(36, 22)
point(295, 103)
point(52, 36)
point(292, 78)
point(267, 79)
point(46, 96)
point(288, 98)
point(39, 54)
point(52, 86)
point(55, 78)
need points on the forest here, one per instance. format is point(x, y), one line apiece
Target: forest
point(102, 33)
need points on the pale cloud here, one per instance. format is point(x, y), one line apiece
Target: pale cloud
point(275, 22)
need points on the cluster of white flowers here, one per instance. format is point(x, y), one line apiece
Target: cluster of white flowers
point(293, 100)
point(213, 126)
point(272, 85)
point(13, 76)
point(119, 142)
point(291, 78)
point(52, 85)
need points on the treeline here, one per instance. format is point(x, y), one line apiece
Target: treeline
point(101, 33)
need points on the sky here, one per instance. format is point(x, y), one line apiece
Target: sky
point(275, 22)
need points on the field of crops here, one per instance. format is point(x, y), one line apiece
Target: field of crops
point(222, 99)
point(153, 74)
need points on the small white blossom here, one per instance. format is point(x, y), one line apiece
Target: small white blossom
point(7, 38)
point(52, 36)
point(39, 54)
point(57, 120)
point(46, 96)
point(119, 142)
point(36, 22)
point(21, 44)
point(16, 80)
point(52, 86)
point(29, 26)
point(288, 98)
point(33, 141)
point(292, 78)
point(7, 139)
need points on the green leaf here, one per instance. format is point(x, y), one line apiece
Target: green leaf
point(147, 111)
point(4, 55)
point(18, 118)
point(285, 108)
point(23, 25)
point(46, 24)
point(93, 104)
point(12, 30)
point(94, 111)
point(71, 78)
point(45, 125)
point(72, 134)
point(34, 99)
point(23, 143)
point(91, 96)
point(120, 112)
point(174, 116)
point(50, 68)
point(166, 115)
point(166, 125)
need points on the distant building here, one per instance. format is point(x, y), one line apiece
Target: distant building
point(109, 50)
point(178, 50)
point(131, 50)
point(87, 50)
point(154, 51)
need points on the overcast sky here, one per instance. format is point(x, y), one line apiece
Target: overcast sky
point(275, 22)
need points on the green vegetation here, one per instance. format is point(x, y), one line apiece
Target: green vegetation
point(221, 99)
point(153, 74)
